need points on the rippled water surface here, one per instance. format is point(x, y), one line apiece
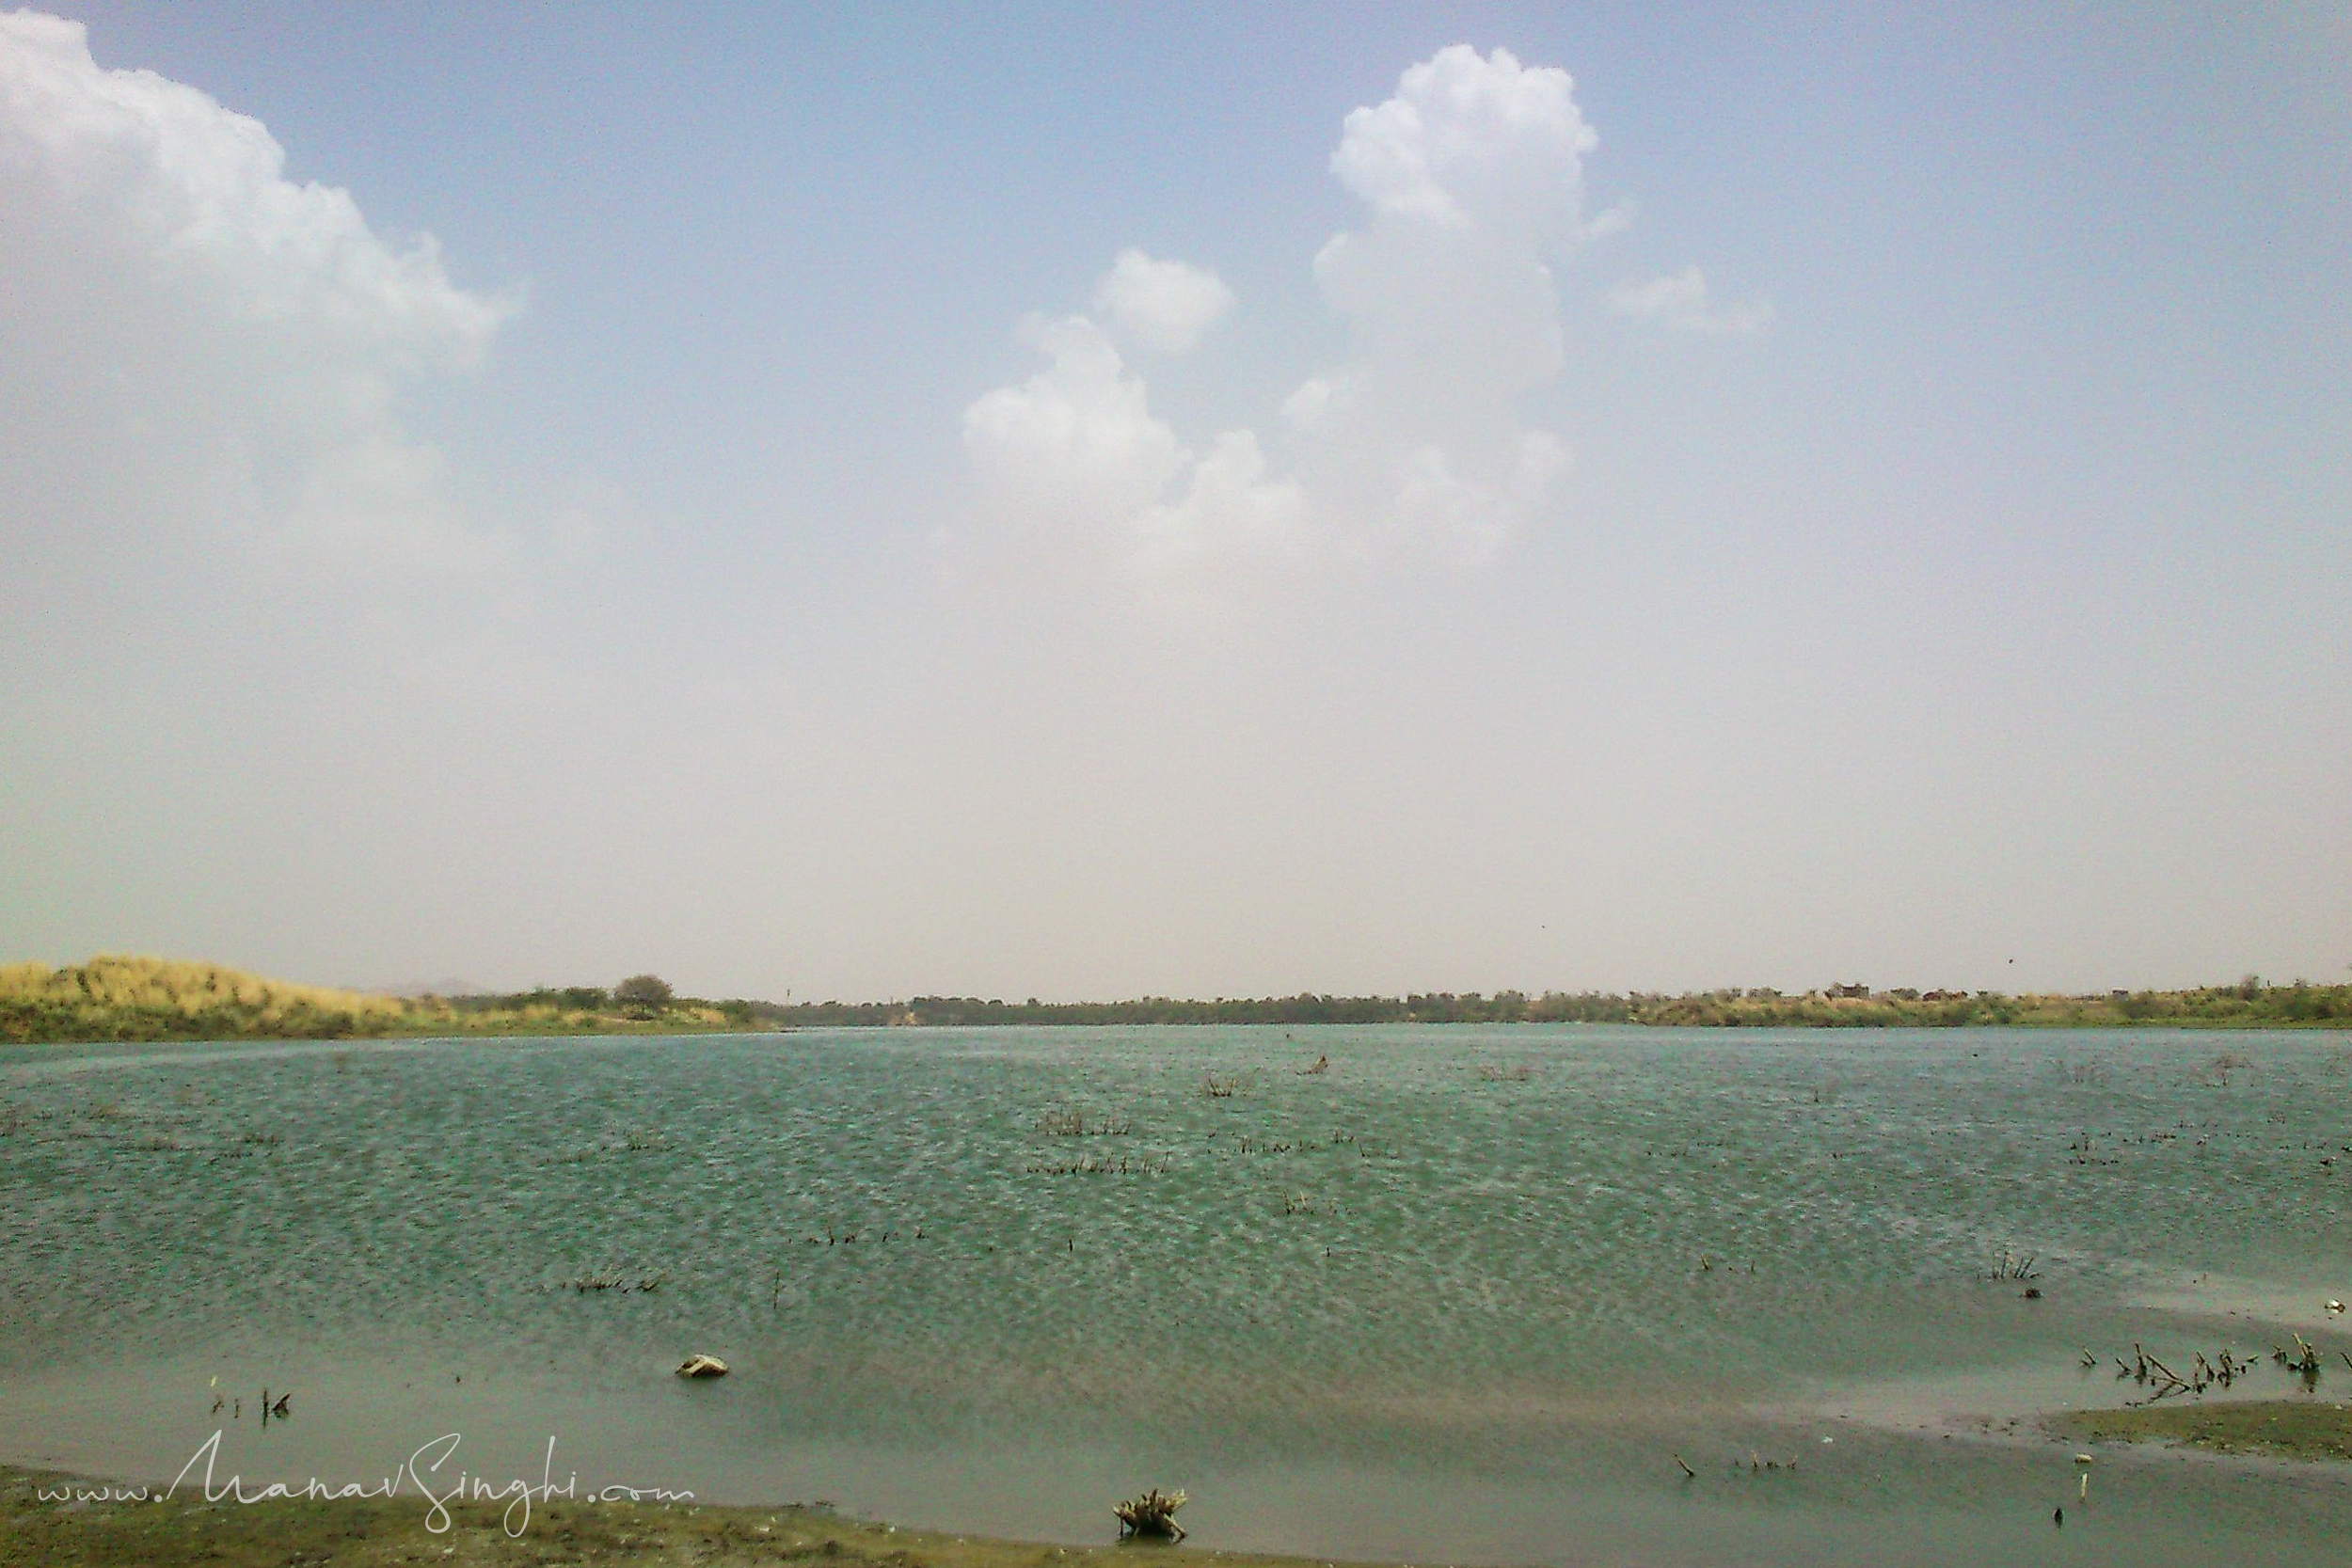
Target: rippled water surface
point(1463, 1294)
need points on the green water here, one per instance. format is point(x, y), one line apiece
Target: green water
point(1461, 1295)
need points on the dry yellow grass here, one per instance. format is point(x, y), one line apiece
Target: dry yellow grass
point(118, 996)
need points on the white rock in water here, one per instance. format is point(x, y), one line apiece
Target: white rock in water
point(702, 1365)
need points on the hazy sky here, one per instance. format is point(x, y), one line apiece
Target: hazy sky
point(1195, 500)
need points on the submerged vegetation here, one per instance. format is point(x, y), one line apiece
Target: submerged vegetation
point(118, 998)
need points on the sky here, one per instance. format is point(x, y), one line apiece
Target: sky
point(1099, 500)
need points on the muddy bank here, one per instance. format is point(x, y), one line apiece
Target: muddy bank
point(44, 1521)
point(2286, 1429)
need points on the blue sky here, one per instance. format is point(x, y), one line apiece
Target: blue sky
point(760, 545)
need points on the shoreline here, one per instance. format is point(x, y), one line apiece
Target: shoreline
point(2306, 1430)
point(697, 1028)
point(55, 1516)
point(48, 1517)
point(123, 999)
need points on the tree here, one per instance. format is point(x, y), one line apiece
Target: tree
point(643, 995)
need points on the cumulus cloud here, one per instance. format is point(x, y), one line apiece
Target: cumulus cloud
point(249, 334)
point(1162, 305)
point(1472, 178)
point(1473, 173)
point(1074, 456)
point(1413, 449)
point(1681, 301)
point(1471, 141)
point(1076, 439)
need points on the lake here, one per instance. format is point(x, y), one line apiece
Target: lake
point(1465, 1295)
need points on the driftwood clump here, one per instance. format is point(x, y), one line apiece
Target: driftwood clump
point(1152, 1514)
point(2304, 1363)
point(2144, 1368)
point(2222, 1371)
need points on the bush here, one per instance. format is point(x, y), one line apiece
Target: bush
point(643, 995)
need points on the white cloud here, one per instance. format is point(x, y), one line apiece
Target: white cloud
point(1681, 301)
point(1473, 172)
point(1229, 510)
point(1162, 305)
point(1470, 140)
point(1470, 519)
point(1078, 439)
point(1074, 455)
point(1411, 450)
point(1608, 222)
point(247, 334)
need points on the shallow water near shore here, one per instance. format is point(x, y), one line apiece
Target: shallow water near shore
point(1462, 1296)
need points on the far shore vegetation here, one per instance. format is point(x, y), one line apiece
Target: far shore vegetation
point(120, 998)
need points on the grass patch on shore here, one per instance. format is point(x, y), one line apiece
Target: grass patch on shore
point(116, 997)
point(2286, 1429)
point(378, 1533)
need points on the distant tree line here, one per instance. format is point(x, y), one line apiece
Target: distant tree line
point(1508, 1007)
point(2248, 1002)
